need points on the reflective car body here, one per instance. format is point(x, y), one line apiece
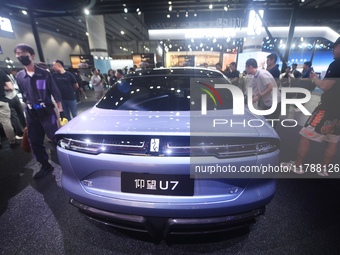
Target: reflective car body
point(127, 161)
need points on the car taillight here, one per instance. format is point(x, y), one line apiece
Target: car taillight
point(223, 150)
point(96, 147)
point(171, 146)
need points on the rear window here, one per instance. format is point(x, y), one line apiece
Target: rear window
point(166, 93)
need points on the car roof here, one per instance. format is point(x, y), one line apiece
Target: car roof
point(187, 71)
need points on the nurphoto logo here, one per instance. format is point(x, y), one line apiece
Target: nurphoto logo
point(238, 105)
point(238, 100)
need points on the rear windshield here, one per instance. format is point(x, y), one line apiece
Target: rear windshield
point(166, 93)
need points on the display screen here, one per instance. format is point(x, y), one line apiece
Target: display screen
point(5, 25)
point(144, 60)
point(82, 61)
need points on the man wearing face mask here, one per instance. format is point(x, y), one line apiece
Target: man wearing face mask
point(37, 86)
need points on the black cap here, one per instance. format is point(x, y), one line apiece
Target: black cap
point(337, 42)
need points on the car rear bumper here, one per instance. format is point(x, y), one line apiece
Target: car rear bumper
point(170, 226)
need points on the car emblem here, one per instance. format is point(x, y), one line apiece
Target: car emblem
point(154, 145)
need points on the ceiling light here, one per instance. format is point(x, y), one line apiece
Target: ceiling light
point(137, 10)
point(195, 14)
point(122, 32)
point(139, 13)
point(125, 10)
point(210, 6)
point(86, 11)
point(87, 33)
point(177, 14)
point(225, 8)
point(168, 16)
point(169, 2)
point(170, 8)
point(186, 14)
point(24, 12)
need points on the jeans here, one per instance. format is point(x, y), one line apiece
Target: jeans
point(39, 124)
point(70, 106)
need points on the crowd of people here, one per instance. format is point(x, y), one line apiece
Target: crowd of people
point(48, 96)
point(322, 125)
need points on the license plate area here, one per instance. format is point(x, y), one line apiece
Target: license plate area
point(157, 184)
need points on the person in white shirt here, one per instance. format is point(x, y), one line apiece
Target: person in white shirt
point(263, 83)
point(97, 84)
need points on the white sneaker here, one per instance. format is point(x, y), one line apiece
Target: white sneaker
point(18, 137)
point(323, 174)
point(292, 167)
